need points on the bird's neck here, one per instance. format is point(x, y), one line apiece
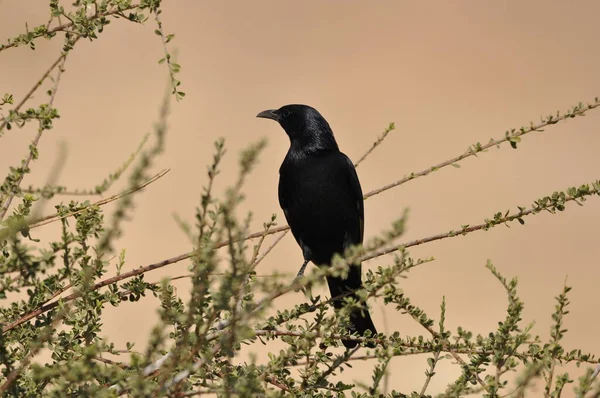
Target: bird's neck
point(311, 143)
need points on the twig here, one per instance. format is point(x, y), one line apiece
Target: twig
point(173, 67)
point(253, 263)
point(185, 276)
point(57, 217)
point(273, 381)
point(194, 393)
point(64, 27)
point(111, 362)
point(377, 142)
point(61, 62)
point(35, 87)
point(57, 293)
point(579, 110)
point(473, 228)
point(181, 376)
point(431, 372)
point(596, 372)
point(386, 330)
point(52, 189)
point(337, 362)
point(266, 252)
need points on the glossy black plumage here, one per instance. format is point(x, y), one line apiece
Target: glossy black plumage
point(322, 200)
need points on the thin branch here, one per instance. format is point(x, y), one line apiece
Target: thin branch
point(266, 252)
point(57, 217)
point(452, 352)
point(336, 363)
point(52, 189)
point(186, 276)
point(377, 142)
point(61, 63)
point(194, 393)
point(111, 362)
point(271, 380)
point(184, 374)
point(431, 372)
point(35, 87)
point(483, 226)
point(252, 265)
point(173, 67)
point(66, 26)
point(57, 293)
point(513, 137)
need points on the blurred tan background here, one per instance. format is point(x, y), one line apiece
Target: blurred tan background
point(448, 73)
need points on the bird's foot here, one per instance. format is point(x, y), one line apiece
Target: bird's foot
point(298, 282)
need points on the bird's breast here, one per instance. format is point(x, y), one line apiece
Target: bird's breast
point(318, 196)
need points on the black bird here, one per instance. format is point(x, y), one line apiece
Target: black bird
point(322, 200)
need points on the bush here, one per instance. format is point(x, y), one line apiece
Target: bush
point(55, 291)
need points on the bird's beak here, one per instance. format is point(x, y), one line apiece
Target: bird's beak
point(269, 114)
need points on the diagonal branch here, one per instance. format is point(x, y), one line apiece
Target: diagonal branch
point(377, 142)
point(6, 201)
point(513, 136)
point(35, 87)
point(551, 204)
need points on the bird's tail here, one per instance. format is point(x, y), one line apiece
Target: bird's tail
point(360, 319)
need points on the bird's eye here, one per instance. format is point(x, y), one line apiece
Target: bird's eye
point(285, 113)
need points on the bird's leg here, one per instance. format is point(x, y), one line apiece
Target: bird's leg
point(302, 268)
point(300, 275)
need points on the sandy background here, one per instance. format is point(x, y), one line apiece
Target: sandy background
point(449, 75)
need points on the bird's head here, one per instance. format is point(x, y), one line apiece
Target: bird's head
point(304, 125)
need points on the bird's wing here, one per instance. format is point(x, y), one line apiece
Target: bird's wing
point(357, 193)
point(284, 206)
point(283, 203)
point(306, 251)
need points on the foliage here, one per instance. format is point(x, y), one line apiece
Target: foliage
point(192, 349)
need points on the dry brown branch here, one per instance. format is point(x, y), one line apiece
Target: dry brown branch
point(111, 362)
